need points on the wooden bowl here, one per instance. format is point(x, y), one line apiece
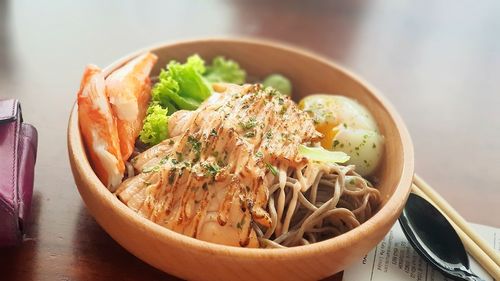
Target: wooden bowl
point(193, 259)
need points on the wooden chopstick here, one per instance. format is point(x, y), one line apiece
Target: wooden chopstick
point(473, 243)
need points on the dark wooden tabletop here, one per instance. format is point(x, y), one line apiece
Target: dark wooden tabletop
point(438, 62)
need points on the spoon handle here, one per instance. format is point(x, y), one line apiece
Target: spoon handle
point(466, 275)
point(473, 278)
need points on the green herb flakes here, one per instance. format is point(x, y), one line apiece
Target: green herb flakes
point(272, 169)
point(249, 124)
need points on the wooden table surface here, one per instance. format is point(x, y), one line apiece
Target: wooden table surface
point(438, 62)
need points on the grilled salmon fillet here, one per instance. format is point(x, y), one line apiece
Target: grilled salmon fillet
point(210, 180)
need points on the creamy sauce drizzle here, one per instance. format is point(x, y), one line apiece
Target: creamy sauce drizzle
point(211, 179)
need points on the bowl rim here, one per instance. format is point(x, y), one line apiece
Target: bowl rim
point(394, 202)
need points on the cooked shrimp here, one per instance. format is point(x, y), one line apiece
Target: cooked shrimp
point(129, 92)
point(98, 128)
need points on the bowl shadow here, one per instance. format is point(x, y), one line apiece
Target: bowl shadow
point(98, 256)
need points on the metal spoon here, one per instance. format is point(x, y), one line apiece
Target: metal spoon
point(435, 240)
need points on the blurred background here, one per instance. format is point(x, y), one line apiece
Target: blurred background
point(438, 62)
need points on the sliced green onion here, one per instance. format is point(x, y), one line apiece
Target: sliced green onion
point(322, 155)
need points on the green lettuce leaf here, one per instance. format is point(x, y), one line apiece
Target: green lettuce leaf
point(163, 89)
point(189, 78)
point(225, 70)
point(181, 86)
point(184, 86)
point(155, 128)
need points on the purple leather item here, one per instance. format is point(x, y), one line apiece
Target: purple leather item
point(18, 143)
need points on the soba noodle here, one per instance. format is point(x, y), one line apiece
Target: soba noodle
point(337, 201)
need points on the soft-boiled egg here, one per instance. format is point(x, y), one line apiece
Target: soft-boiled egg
point(347, 126)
